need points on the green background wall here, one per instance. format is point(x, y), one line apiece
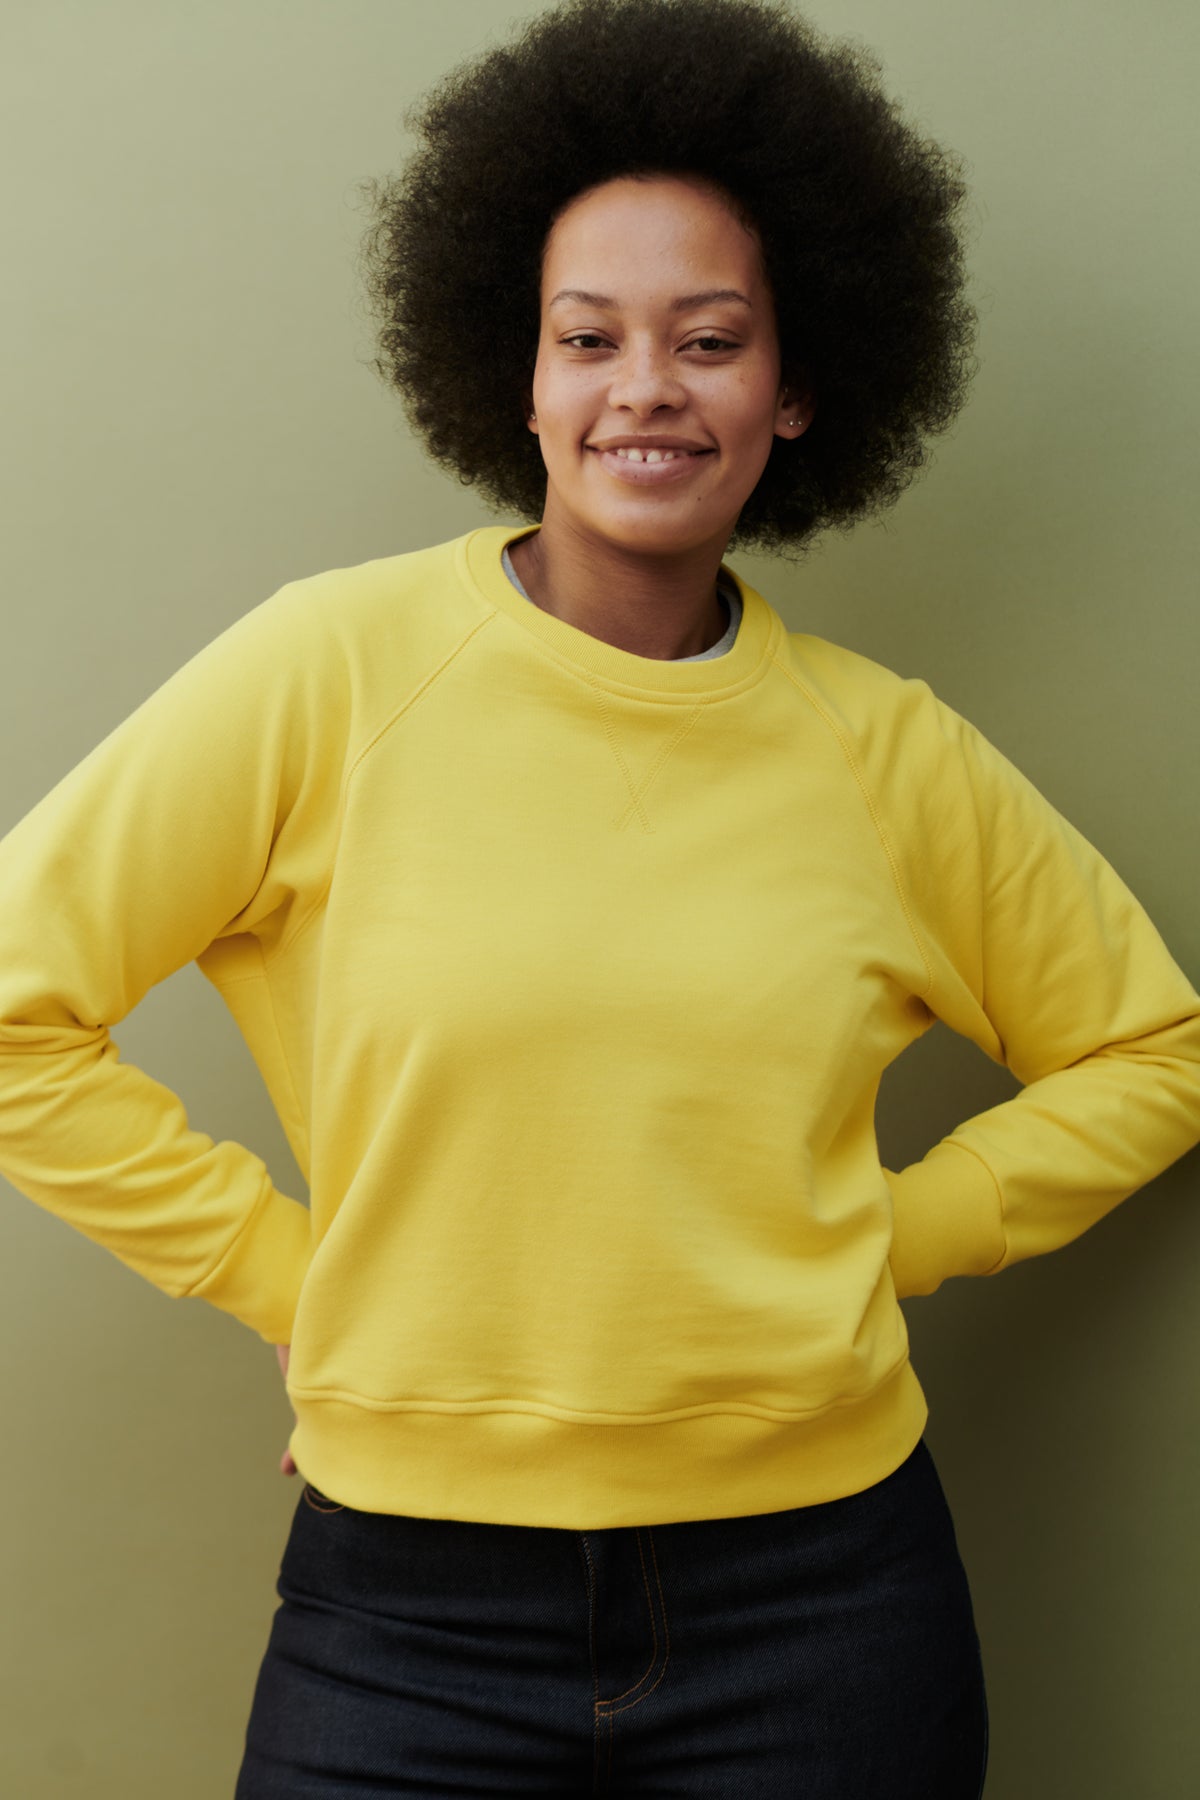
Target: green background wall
point(190, 420)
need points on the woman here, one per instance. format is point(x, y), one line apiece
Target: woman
point(572, 909)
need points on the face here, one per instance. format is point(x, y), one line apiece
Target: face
point(657, 326)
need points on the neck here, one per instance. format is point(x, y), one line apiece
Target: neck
point(655, 606)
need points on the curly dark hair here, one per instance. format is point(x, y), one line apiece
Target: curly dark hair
point(854, 213)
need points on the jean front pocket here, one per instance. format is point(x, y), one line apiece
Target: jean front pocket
point(321, 1502)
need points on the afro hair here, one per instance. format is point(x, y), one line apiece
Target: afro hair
point(854, 213)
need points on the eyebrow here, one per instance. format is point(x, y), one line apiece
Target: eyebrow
point(686, 303)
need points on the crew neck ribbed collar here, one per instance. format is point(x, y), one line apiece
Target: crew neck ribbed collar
point(482, 552)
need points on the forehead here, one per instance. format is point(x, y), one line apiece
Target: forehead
point(649, 230)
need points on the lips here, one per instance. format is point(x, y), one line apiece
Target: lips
point(678, 465)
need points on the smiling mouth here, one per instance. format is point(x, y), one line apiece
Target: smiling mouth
point(649, 468)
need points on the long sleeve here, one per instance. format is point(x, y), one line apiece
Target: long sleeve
point(1039, 953)
point(173, 832)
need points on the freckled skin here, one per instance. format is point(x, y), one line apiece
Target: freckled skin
point(636, 565)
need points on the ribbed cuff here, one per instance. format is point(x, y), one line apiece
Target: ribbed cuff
point(948, 1219)
point(259, 1278)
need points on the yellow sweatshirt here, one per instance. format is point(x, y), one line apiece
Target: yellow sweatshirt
point(572, 975)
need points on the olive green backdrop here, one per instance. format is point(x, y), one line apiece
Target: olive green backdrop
point(191, 420)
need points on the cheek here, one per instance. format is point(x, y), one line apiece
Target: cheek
point(743, 408)
point(564, 402)
point(542, 380)
point(759, 402)
point(537, 387)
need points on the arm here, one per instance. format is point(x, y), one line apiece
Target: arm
point(174, 831)
point(1040, 954)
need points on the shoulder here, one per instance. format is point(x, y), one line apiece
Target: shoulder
point(381, 593)
point(368, 625)
point(327, 657)
point(862, 701)
point(922, 760)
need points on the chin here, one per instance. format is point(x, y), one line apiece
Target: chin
point(666, 536)
point(654, 517)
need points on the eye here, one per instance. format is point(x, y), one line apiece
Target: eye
point(586, 340)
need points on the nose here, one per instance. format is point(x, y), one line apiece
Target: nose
point(644, 378)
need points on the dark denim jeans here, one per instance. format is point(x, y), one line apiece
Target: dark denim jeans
point(822, 1653)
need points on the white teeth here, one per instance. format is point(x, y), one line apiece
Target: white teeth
point(632, 454)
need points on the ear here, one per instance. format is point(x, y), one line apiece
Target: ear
point(793, 413)
point(527, 409)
